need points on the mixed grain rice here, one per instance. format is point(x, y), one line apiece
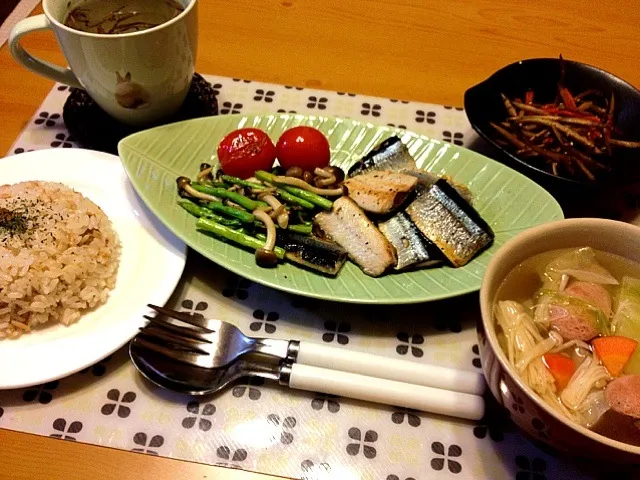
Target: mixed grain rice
point(59, 256)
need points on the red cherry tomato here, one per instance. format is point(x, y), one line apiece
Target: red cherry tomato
point(244, 151)
point(303, 147)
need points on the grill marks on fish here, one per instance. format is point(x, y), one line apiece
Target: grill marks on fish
point(413, 248)
point(391, 155)
point(312, 252)
point(454, 226)
point(380, 191)
point(348, 225)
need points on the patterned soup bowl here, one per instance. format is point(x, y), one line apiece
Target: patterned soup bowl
point(527, 410)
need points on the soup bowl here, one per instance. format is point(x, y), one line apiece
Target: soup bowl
point(526, 408)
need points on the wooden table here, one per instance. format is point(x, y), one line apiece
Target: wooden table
point(406, 49)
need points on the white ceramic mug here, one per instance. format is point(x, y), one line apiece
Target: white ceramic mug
point(137, 78)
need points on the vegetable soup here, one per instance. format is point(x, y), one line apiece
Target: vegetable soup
point(569, 323)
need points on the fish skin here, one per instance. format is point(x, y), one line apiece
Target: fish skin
point(312, 252)
point(413, 248)
point(380, 191)
point(391, 155)
point(347, 225)
point(450, 222)
point(426, 179)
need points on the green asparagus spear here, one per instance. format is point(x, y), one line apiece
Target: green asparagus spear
point(244, 202)
point(234, 236)
point(201, 212)
point(298, 192)
point(234, 212)
point(310, 197)
point(214, 183)
point(242, 183)
point(293, 200)
point(301, 229)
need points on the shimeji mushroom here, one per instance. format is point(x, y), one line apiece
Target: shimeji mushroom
point(265, 257)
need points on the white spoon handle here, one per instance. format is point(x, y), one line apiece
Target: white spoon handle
point(390, 368)
point(388, 392)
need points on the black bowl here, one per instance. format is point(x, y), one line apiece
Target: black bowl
point(483, 105)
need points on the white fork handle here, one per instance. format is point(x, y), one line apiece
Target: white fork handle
point(391, 368)
point(387, 392)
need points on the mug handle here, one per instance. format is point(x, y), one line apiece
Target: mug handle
point(42, 67)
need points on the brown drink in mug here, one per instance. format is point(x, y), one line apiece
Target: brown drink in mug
point(136, 62)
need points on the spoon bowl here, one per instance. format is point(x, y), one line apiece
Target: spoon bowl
point(193, 380)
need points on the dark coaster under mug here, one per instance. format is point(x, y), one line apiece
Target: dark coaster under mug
point(93, 128)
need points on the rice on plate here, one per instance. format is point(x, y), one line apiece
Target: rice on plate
point(59, 256)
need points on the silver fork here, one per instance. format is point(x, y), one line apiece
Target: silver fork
point(206, 343)
point(210, 343)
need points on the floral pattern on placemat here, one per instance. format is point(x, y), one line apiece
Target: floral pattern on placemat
point(257, 425)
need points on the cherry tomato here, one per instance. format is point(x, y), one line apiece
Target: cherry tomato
point(303, 147)
point(244, 151)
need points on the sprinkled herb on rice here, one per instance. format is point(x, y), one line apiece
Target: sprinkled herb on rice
point(59, 256)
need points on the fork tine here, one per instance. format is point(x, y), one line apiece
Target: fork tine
point(167, 337)
point(179, 356)
point(177, 329)
point(192, 319)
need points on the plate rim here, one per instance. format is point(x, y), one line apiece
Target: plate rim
point(178, 258)
point(231, 118)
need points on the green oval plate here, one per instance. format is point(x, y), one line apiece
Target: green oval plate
point(508, 201)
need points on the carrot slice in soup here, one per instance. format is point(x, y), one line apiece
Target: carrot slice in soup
point(614, 352)
point(561, 367)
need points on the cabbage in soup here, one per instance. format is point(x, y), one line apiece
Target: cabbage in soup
point(569, 323)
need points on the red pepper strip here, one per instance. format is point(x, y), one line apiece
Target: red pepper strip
point(554, 110)
point(577, 114)
point(567, 98)
point(528, 97)
point(594, 134)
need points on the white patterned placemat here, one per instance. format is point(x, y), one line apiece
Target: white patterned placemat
point(261, 426)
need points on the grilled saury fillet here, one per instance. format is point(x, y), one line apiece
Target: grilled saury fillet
point(348, 225)
point(312, 252)
point(380, 191)
point(450, 222)
point(413, 248)
point(391, 155)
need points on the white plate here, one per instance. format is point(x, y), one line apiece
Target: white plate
point(151, 263)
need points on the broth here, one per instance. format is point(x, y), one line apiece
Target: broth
point(523, 281)
point(528, 301)
point(121, 16)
